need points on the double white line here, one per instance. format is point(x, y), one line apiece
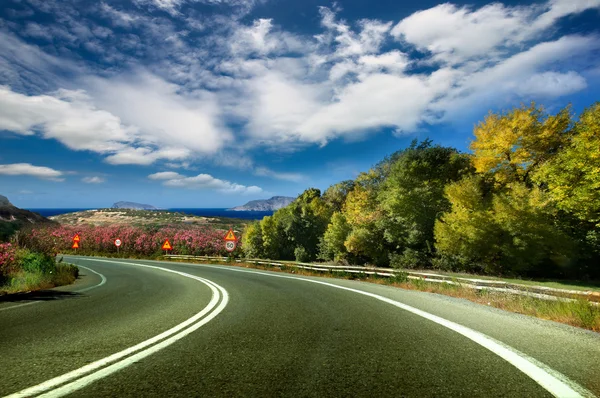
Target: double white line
point(79, 378)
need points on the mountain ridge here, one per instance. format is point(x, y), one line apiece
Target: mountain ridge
point(272, 204)
point(13, 218)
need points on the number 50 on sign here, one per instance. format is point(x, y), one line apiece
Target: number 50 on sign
point(230, 245)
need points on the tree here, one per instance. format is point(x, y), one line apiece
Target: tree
point(332, 246)
point(335, 195)
point(466, 235)
point(510, 232)
point(274, 244)
point(513, 145)
point(365, 240)
point(303, 223)
point(252, 245)
point(573, 175)
point(412, 196)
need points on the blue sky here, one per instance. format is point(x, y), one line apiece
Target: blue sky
point(211, 103)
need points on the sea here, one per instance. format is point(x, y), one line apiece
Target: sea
point(246, 215)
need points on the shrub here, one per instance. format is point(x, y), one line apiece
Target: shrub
point(409, 259)
point(301, 254)
point(35, 262)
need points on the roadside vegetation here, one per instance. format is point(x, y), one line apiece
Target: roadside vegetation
point(23, 270)
point(524, 203)
point(138, 241)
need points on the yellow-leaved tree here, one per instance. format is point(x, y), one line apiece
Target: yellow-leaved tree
point(511, 146)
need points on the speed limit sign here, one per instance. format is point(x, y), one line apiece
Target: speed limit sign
point(230, 245)
point(118, 242)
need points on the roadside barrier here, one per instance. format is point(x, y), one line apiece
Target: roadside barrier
point(541, 292)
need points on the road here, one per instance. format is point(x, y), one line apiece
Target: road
point(137, 328)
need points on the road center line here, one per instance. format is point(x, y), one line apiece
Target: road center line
point(148, 347)
point(551, 380)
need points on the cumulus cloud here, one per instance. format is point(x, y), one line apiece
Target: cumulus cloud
point(456, 34)
point(93, 180)
point(243, 84)
point(165, 117)
point(67, 116)
point(27, 169)
point(203, 181)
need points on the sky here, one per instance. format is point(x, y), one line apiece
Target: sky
point(212, 103)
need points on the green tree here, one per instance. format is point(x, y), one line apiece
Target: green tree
point(332, 246)
point(273, 237)
point(412, 196)
point(573, 175)
point(252, 244)
point(511, 232)
point(365, 240)
point(335, 195)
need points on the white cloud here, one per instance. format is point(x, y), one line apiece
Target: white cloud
point(93, 180)
point(266, 172)
point(66, 116)
point(243, 84)
point(455, 34)
point(165, 175)
point(203, 181)
point(177, 123)
point(27, 169)
point(552, 84)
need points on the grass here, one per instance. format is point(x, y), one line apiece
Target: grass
point(558, 284)
point(23, 281)
point(578, 313)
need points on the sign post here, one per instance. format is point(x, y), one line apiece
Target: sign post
point(118, 243)
point(167, 246)
point(76, 240)
point(230, 241)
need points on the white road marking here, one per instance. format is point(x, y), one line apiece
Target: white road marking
point(551, 380)
point(172, 335)
point(102, 282)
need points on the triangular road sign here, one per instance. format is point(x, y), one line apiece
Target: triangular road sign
point(75, 245)
point(167, 245)
point(230, 236)
point(76, 238)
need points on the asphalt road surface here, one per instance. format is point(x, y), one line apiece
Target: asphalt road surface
point(137, 328)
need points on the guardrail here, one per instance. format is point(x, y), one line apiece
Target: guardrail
point(542, 292)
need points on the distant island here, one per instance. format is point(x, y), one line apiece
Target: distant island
point(133, 206)
point(275, 203)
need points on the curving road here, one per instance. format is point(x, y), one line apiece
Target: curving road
point(138, 328)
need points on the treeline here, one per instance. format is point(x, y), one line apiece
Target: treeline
point(525, 201)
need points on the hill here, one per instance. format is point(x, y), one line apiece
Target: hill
point(12, 218)
point(275, 203)
point(151, 218)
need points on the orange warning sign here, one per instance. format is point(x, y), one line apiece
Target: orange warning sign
point(75, 245)
point(167, 245)
point(76, 238)
point(230, 236)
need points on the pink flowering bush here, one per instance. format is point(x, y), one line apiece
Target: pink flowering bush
point(136, 241)
point(7, 259)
